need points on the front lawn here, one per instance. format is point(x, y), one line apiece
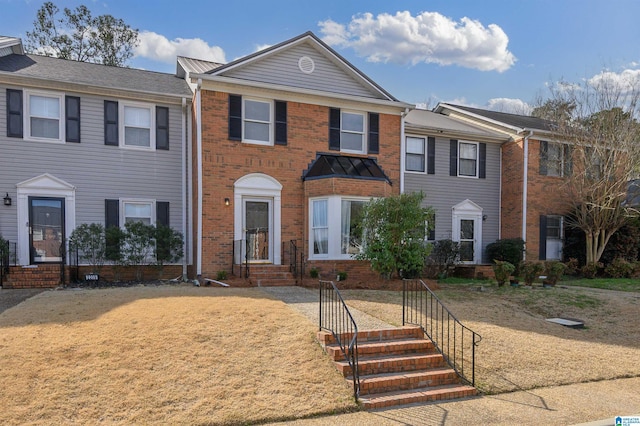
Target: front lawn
point(621, 284)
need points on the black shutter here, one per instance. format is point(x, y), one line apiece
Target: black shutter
point(112, 219)
point(432, 231)
point(111, 123)
point(544, 157)
point(568, 160)
point(431, 155)
point(281, 122)
point(162, 213)
point(482, 163)
point(543, 238)
point(334, 129)
point(162, 128)
point(72, 118)
point(374, 133)
point(14, 113)
point(453, 157)
point(235, 117)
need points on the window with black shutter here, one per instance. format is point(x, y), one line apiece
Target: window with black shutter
point(235, 117)
point(162, 128)
point(453, 157)
point(334, 129)
point(14, 113)
point(431, 155)
point(374, 133)
point(111, 220)
point(281, 123)
point(72, 118)
point(111, 123)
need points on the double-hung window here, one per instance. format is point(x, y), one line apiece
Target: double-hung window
point(352, 132)
point(44, 116)
point(351, 241)
point(468, 159)
point(138, 211)
point(555, 159)
point(336, 231)
point(257, 121)
point(415, 156)
point(138, 125)
point(320, 227)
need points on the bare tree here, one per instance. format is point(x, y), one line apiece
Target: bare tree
point(79, 36)
point(597, 120)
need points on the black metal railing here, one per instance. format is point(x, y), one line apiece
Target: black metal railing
point(336, 319)
point(455, 341)
point(74, 264)
point(8, 257)
point(240, 257)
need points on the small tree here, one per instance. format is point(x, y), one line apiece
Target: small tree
point(394, 233)
point(138, 246)
point(168, 247)
point(89, 241)
point(79, 36)
point(444, 255)
point(508, 249)
point(114, 238)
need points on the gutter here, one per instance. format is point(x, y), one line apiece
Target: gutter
point(199, 169)
point(525, 180)
point(185, 119)
point(403, 148)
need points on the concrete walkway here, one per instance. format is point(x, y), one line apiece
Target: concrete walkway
point(597, 402)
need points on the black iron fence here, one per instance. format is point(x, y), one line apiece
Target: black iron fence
point(336, 319)
point(456, 342)
point(240, 257)
point(293, 255)
point(8, 257)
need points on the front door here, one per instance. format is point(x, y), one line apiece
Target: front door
point(46, 229)
point(467, 240)
point(257, 226)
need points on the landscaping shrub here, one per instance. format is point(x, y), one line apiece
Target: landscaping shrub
point(503, 270)
point(572, 266)
point(531, 270)
point(89, 241)
point(168, 247)
point(445, 254)
point(590, 270)
point(624, 244)
point(620, 268)
point(553, 270)
point(508, 250)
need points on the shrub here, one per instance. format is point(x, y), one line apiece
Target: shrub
point(590, 270)
point(342, 276)
point(445, 254)
point(507, 250)
point(531, 270)
point(314, 273)
point(222, 275)
point(553, 269)
point(168, 247)
point(619, 268)
point(572, 266)
point(138, 246)
point(114, 238)
point(89, 241)
point(502, 270)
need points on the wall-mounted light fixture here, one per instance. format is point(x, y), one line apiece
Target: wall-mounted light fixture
point(227, 201)
point(484, 217)
point(7, 200)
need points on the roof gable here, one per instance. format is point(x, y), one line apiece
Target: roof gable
point(303, 62)
point(516, 121)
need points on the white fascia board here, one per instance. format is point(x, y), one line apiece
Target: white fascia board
point(449, 133)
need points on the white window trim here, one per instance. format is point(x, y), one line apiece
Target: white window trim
point(561, 225)
point(364, 132)
point(477, 144)
point(425, 145)
point(334, 218)
point(124, 201)
point(152, 124)
point(270, 122)
point(27, 116)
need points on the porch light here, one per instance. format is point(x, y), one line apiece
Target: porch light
point(7, 200)
point(226, 201)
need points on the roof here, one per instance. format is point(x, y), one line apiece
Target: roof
point(334, 165)
point(93, 75)
point(196, 66)
point(423, 120)
point(514, 120)
point(9, 45)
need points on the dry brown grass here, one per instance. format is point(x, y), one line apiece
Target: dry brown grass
point(520, 350)
point(168, 354)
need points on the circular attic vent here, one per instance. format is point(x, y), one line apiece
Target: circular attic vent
point(306, 65)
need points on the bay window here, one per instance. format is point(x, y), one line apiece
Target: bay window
point(335, 227)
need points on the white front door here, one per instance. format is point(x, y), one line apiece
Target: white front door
point(467, 231)
point(258, 222)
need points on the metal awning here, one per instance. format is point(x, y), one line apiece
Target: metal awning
point(328, 166)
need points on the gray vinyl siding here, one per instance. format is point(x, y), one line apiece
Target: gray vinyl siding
point(282, 68)
point(442, 192)
point(97, 171)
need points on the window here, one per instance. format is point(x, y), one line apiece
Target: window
point(554, 227)
point(468, 159)
point(555, 159)
point(335, 227)
point(138, 211)
point(44, 116)
point(257, 121)
point(138, 125)
point(352, 132)
point(415, 156)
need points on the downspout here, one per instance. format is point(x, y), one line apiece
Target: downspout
point(199, 183)
point(185, 119)
point(500, 192)
point(524, 190)
point(402, 148)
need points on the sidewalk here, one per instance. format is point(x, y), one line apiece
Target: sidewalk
point(597, 402)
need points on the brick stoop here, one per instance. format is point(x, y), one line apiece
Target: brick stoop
point(398, 367)
point(268, 275)
point(33, 276)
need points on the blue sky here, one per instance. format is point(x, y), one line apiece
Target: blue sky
point(496, 54)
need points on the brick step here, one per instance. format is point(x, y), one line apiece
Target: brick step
point(389, 382)
point(407, 332)
point(403, 397)
point(392, 364)
point(390, 347)
point(270, 275)
point(273, 282)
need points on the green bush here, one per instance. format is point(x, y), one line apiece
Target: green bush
point(222, 275)
point(507, 250)
point(314, 273)
point(342, 276)
point(89, 241)
point(590, 270)
point(553, 269)
point(445, 254)
point(531, 270)
point(168, 247)
point(620, 268)
point(502, 270)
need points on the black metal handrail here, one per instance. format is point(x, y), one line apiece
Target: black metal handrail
point(293, 258)
point(421, 307)
point(240, 248)
point(8, 257)
point(336, 319)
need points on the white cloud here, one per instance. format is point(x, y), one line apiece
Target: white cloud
point(427, 37)
point(158, 48)
point(624, 81)
point(509, 105)
point(260, 47)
